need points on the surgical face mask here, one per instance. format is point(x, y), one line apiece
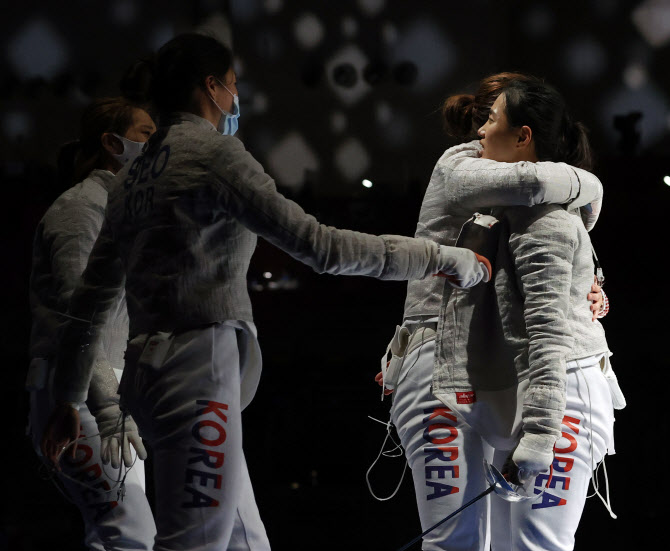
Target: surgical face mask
point(131, 150)
point(229, 122)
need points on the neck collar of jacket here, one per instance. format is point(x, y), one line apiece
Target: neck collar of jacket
point(184, 116)
point(101, 177)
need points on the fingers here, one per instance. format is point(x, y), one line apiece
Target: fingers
point(104, 451)
point(114, 452)
point(127, 452)
point(137, 443)
point(486, 265)
point(379, 378)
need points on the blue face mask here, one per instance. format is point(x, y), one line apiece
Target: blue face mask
point(229, 123)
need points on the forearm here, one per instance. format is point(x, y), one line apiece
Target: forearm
point(250, 195)
point(473, 183)
point(542, 253)
point(99, 289)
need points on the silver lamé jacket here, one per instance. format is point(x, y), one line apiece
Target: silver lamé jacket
point(179, 232)
point(63, 241)
point(533, 316)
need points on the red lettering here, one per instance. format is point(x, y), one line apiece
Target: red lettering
point(440, 412)
point(570, 448)
point(571, 423)
point(452, 436)
point(211, 459)
point(197, 434)
point(439, 453)
point(213, 407)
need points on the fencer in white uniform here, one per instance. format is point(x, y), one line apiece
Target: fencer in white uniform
point(62, 244)
point(180, 228)
point(451, 410)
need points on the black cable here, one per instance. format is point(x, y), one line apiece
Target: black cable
point(445, 519)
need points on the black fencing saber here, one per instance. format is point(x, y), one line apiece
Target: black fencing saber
point(445, 519)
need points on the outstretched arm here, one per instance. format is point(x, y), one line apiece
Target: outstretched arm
point(247, 193)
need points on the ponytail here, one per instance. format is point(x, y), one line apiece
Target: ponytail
point(464, 114)
point(135, 84)
point(579, 151)
point(457, 115)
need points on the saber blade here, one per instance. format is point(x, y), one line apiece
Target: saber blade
point(445, 519)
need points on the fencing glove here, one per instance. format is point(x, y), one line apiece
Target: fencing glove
point(117, 433)
point(532, 456)
point(462, 268)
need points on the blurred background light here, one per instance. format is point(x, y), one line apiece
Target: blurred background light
point(245, 11)
point(16, 125)
point(367, 183)
point(308, 30)
point(269, 44)
point(351, 159)
point(338, 122)
point(389, 33)
point(342, 71)
point(635, 75)
point(123, 12)
point(652, 20)
point(290, 158)
point(383, 113)
point(647, 99)
point(160, 34)
point(666, 179)
point(538, 21)
point(349, 26)
point(371, 7)
point(419, 37)
point(259, 103)
point(38, 50)
point(216, 24)
point(585, 59)
point(273, 6)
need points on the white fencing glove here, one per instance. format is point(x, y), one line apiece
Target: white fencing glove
point(462, 268)
point(532, 456)
point(117, 435)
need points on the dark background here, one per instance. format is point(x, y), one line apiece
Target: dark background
point(332, 93)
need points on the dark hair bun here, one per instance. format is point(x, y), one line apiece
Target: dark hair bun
point(136, 81)
point(457, 115)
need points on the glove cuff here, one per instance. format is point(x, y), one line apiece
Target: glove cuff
point(535, 452)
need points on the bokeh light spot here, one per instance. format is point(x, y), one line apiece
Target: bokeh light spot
point(308, 30)
point(38, 50)
point(352, 159)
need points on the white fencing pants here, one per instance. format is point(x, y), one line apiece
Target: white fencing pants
point(188, 410)
point(446, 457)
point(109, 522)
point(550, 522)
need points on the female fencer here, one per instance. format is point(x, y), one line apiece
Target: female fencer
point(180, 228)
point(456, 394)
point(112, 133)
